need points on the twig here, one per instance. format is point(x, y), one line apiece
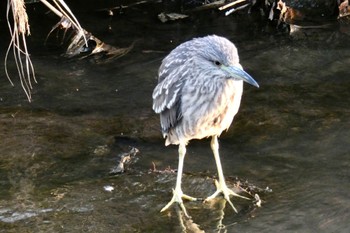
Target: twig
point(236, 9)
point(18, 31)
point(63, 11)
point(52, 8)
point(231, 4)
point(209, 6)
point(18, 44)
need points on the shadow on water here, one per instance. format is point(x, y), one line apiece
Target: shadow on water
point(291, 135)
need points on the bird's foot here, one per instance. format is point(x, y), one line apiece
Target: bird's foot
point(178, 196)
point(221, 188)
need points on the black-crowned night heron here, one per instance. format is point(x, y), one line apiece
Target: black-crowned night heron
point(200, 84)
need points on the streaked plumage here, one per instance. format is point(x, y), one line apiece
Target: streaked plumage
point(200, 84)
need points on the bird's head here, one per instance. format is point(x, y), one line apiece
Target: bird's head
point(219, 56)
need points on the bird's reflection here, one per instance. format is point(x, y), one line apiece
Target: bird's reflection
point(219, 204)
point(187, 224)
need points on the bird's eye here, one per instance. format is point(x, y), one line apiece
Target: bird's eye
point(217, 63)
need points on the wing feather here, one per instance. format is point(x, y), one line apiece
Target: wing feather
point(166, 96)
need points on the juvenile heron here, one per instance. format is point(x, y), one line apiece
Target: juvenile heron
point(200, 84)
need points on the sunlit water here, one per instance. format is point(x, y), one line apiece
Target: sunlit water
point(291, 135)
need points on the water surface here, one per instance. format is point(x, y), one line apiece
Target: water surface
point(291, 135)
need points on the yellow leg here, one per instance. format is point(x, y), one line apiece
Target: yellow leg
point(221, 187)
point(178, 195)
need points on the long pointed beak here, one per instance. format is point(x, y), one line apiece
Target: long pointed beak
point(239, 73)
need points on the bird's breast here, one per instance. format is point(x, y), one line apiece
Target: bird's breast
point(209, 108)
point(228, 101)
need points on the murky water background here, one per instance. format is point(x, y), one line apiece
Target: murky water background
point(291, 135)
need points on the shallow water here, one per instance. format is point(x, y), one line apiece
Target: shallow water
point(291, 135)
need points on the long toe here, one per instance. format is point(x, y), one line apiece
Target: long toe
point(178, 197)
point(222, 189)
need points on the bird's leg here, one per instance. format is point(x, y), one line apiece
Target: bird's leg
point(221, 187)
point(178, 195)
